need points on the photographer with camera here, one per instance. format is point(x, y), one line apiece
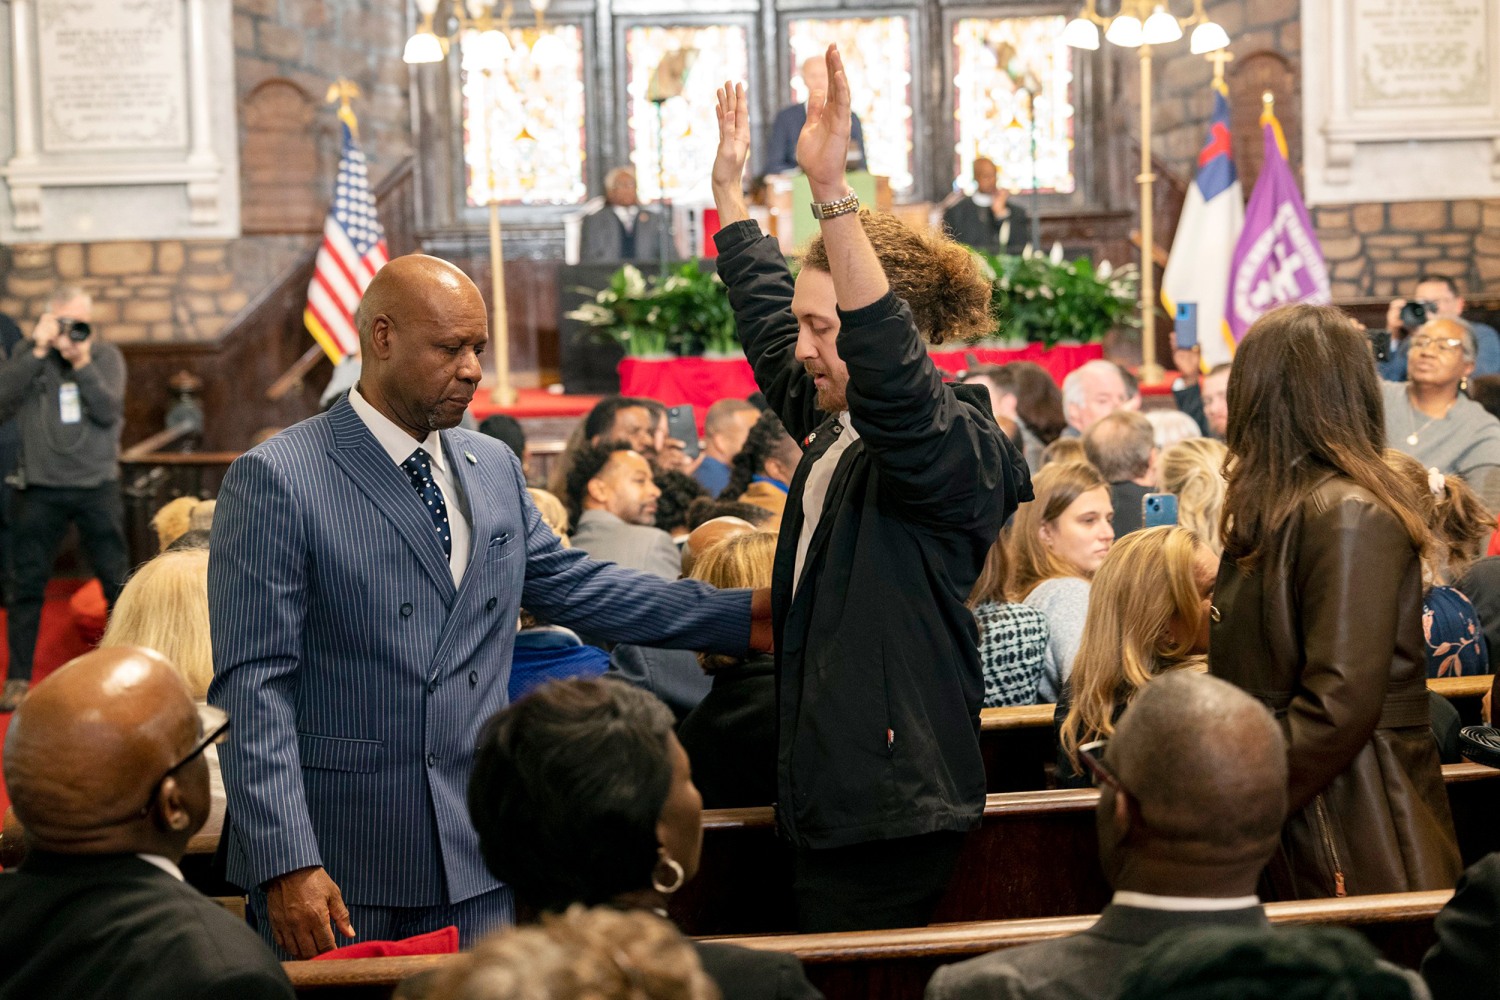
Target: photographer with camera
point(66, 388)
point(1436, 297)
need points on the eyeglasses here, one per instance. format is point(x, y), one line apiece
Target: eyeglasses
point(214, 724)
point(1443, 345)
point(1092, 756)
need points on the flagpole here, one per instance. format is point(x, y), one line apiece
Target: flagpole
point(503, 393)
point(1151, 371)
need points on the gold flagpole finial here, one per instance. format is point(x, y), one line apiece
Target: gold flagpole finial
point(344, 90)
point(1268, 102)
point(1219, 57)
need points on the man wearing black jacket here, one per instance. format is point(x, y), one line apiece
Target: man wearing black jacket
point(901, 491)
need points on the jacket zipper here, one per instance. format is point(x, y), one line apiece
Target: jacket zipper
point(1321, 814)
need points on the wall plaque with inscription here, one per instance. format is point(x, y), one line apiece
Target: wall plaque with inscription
point(113, 74)
point(1401, 99)
point(123, 120)
point(1421, 54)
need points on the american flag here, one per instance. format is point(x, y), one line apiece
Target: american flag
point(353, 250)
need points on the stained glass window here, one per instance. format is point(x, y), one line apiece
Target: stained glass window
point(689, 64)
point(1013, 100)
point(523, 116)
point(877, 57)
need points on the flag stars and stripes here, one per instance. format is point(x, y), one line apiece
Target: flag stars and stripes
point(353, 250)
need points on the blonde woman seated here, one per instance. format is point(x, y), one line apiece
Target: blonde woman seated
point(1148, 614)
point(1055, 545)
point(730, 736)
point(164, 607)
point(1012, 637)
point(1193, 471)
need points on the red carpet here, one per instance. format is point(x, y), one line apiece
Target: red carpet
point(57, 643)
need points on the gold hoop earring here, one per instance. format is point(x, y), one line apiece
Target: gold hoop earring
point(678, 876)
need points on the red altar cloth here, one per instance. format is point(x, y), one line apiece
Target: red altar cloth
point(1057, 360)
point(701, 382)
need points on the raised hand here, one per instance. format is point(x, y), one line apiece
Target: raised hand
point(734, 150)
point(823, 146)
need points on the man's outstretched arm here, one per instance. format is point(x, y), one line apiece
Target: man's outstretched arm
point(822, 153)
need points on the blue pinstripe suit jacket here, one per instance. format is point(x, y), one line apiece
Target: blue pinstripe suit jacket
point(357, 675)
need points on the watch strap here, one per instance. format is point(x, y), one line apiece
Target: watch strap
point(830, 209)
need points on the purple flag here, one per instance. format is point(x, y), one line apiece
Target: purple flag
point(1277, 260)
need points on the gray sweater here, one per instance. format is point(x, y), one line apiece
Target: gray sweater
point(85, 453)
point(1466, 442)
point(1064, 600)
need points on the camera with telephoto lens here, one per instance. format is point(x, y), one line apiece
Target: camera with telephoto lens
point(1416, 313)
point(76, 330)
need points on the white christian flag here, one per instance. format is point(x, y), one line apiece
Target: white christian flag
point(1212, 216)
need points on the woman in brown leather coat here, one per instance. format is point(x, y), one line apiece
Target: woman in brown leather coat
point(1318, 608)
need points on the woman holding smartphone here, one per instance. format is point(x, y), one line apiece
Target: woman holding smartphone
point(1318, 612)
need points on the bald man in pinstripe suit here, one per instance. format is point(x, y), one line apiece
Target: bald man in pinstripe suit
point(365, 573)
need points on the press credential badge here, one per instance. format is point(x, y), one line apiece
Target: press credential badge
point(72, 410)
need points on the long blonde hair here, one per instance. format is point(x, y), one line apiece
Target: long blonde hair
point(1145, 582)
point(164, 607)
point(743, 560)
point(1194, 471)
point(1056, 487)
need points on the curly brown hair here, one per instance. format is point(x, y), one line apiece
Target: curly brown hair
point(938, 278)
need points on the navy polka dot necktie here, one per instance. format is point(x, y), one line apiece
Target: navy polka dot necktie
point(418, 466)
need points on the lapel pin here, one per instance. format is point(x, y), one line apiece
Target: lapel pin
point(470, 456)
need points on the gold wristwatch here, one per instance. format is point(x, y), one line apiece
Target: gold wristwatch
point(829, 209)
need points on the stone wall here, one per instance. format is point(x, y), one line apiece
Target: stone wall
point(191, 290)
point(1373, 250)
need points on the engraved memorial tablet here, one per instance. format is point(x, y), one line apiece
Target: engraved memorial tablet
point(1421, 53)
point(113, 74)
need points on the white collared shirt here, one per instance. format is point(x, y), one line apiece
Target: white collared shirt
point(163, 864)
point(1183, 904)
point(399, 446)
point(815, 490)
point(627, 215)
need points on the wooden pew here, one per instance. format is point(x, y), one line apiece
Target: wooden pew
point(1017, 743)
point(896, 964)
point(1035, 854)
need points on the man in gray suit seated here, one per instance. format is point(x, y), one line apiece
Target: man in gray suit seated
point(622, 230)
point(1192, 796)
point(612, 504)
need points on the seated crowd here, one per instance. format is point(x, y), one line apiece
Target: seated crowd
point(1234, 631)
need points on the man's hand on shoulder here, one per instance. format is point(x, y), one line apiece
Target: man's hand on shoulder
point(301, 905)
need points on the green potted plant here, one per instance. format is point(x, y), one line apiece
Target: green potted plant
point(1042, 298)
point(684, 312)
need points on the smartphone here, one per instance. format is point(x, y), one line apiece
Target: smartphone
point(1185, 326)
point(682, 424)
point(1380, 344)
point(1158, 509)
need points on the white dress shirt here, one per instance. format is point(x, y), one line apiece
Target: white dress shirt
point(815, 490)
point(399, 446)
point(163, 864)
point(1183, 904)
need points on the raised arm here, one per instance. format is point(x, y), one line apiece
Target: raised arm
point(757, 278)
point(822, 153)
